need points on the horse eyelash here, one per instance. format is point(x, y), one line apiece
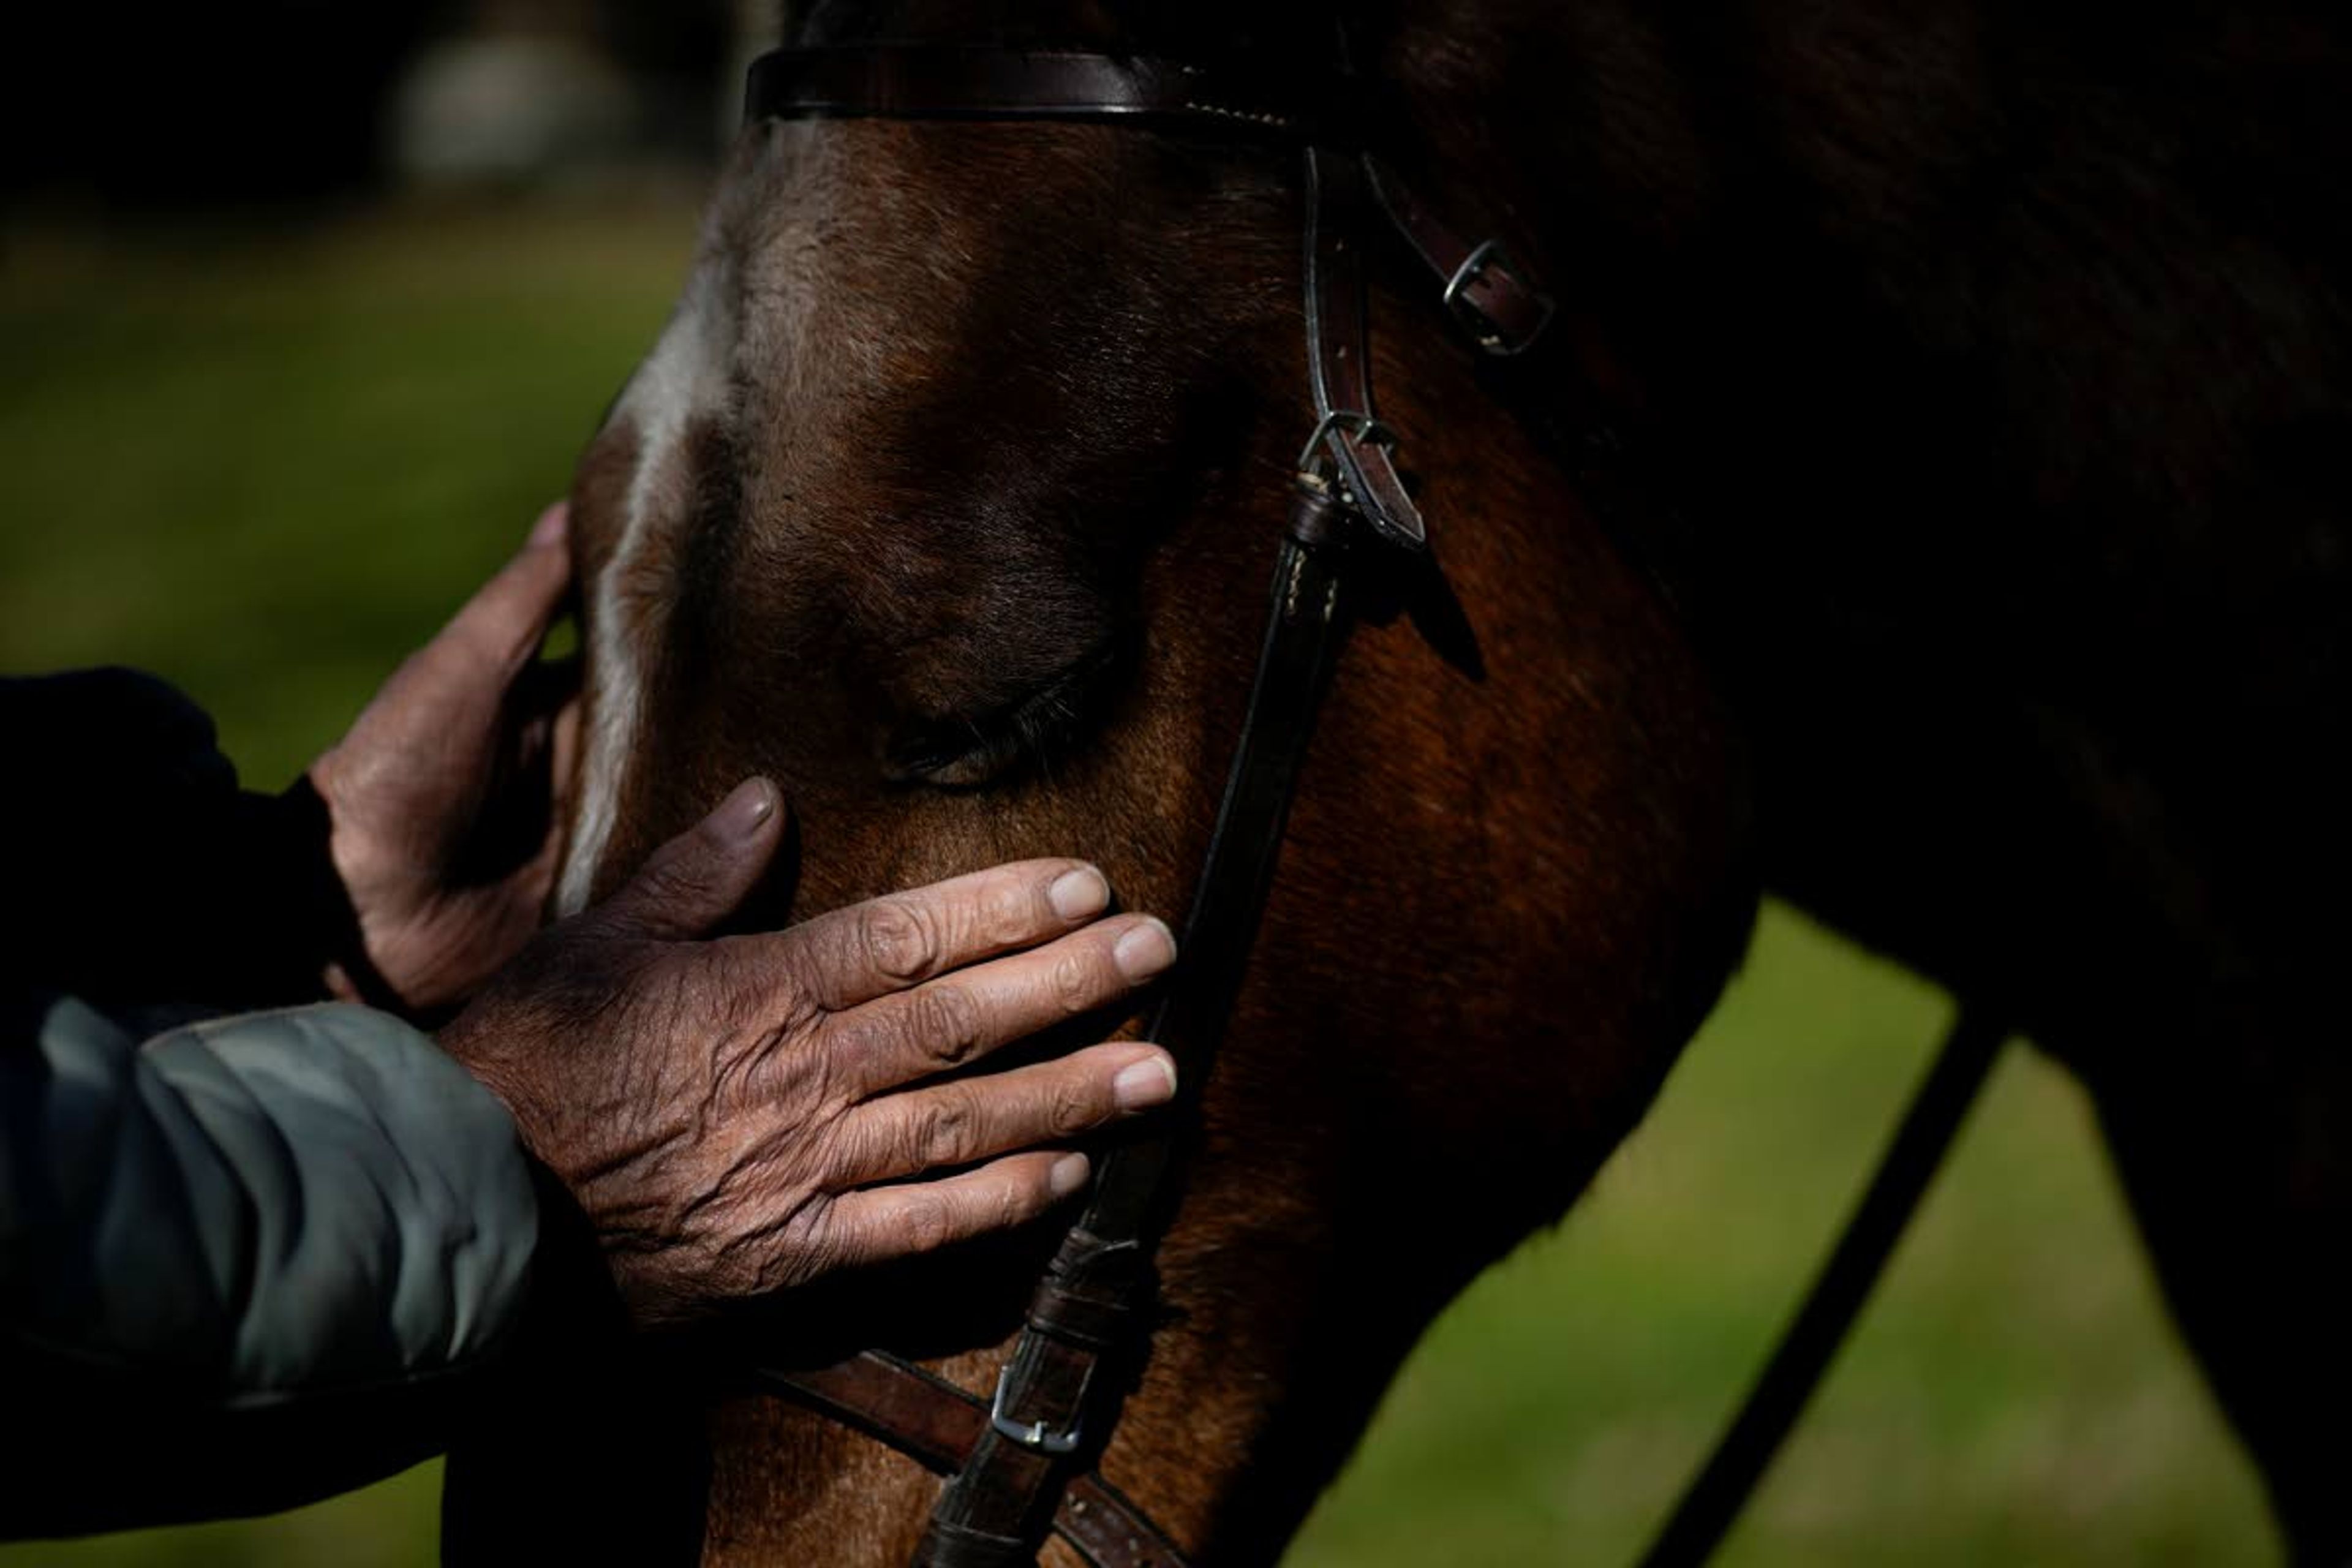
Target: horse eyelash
point(1034, 728)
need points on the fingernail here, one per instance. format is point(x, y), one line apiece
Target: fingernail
point(1149, 1082)
point(551, 524)
point(1080, 895)
point(1068, 1175)
point(1145, 951)
point(747, 811)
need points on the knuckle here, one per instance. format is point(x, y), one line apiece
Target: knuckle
point(1072, 1108)
point(898, 939)
point(676, 876)
point(857, 1148)
point(1077, 981)
point(923, 1223)
point(945, 1021)
point(819, 1082)
point(812, 1245)
point(738, 998)
point(1018, 1200)
point(1015, 911)
point(943, 1130)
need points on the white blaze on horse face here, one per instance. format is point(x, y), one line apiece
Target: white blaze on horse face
point(752, 297)
point(683, 379)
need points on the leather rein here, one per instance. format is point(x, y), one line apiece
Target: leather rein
point(1023, 1464)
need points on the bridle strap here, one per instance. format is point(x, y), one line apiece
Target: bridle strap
point(1023, 1467)
point(1030, 1464)
point(937, 1424)
point(1339, 349)
point(1503, 311)
point(1012, 1463)
point(944, 83)
point(1479, 282)
point(1086, 1329)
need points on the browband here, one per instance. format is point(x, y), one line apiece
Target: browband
point(938, 82)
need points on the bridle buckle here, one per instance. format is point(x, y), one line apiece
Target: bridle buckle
point(1035, 1436)
point(1485, 329)
point(1363, 428)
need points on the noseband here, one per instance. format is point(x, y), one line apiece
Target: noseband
point(1023, 1465)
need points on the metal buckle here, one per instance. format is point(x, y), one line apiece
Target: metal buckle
point(1034, 1435)
point(1366, 429)
point(1482, 327)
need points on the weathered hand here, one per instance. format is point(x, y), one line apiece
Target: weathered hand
point(727, 1111)
point(443, 796)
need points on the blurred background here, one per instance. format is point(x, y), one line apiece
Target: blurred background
point(307, 306)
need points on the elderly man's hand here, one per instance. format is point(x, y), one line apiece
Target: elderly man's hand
point(443, 796)
point(735, 1116)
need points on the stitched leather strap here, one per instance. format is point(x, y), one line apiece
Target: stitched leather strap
point(951, 83)
point(1017, 1470)
point(1088, 1296)
point(1054, 1393)
point(1338, 349)
point(1022, 1474)
point(1482, 285)
point(937, 1424)
point(1058, 1387)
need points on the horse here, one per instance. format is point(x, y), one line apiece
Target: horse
point(1982, 590)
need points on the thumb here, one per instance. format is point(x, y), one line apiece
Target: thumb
point(697, 878)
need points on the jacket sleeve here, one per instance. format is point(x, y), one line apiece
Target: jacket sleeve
point(159, 880)
point(249, 1262)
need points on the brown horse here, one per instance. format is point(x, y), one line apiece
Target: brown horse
point(1951, 339)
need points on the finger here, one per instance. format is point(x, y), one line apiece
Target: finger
point(952, 1021)
point(886, 1223)
point(853, 955)
point(976, 1119)
point(501, 627)
point(563, 743)
point(697, 878)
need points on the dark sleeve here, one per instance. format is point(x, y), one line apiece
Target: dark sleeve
point(246, 1263)
point(140, 872)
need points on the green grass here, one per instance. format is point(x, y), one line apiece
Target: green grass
point(2014, 1396)
point(265, 465)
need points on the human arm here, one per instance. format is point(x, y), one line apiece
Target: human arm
point(259, 1259)
point(246, 1263)
point(408, 863)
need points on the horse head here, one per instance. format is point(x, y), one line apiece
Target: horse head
point(948, 500)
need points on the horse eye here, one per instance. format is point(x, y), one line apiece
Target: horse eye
point(937, 761)
point(972, 752)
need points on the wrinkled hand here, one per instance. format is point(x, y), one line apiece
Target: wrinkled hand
point(444, 796)
point(725, 1112)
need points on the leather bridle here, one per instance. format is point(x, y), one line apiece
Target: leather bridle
point(1022, 1465)
point(1017, 1464)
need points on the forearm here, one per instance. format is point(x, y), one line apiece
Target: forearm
point(280, 1246)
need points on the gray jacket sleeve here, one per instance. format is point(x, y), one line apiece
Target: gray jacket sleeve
point(281, 1213)
point(259, 1206)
